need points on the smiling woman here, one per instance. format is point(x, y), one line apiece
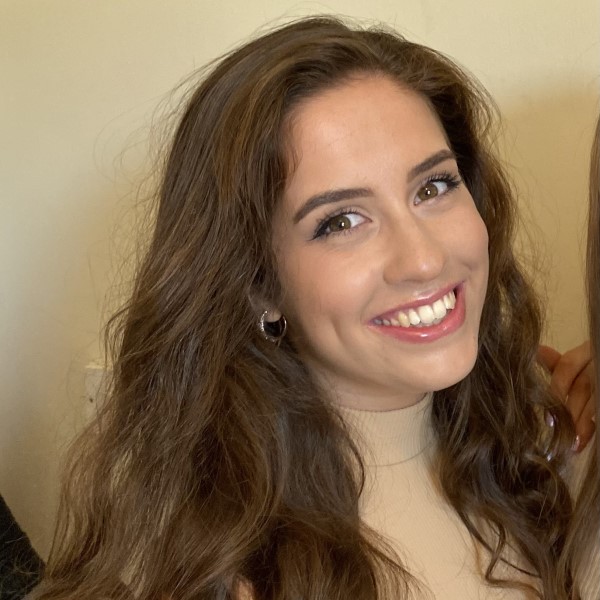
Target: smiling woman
point(333, 190)
point(394, 232)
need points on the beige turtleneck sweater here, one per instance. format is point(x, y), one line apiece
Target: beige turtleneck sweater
point(401, 502)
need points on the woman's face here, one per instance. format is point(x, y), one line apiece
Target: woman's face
point(382, 255)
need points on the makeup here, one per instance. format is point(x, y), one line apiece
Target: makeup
point(396, 327)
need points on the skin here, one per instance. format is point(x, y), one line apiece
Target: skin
point(399, 245)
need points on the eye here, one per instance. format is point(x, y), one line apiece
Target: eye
point(431, 190)
point(339, 223)
point(437, 185)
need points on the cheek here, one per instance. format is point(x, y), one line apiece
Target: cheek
point(480, 244)
point(471, 238)
point(476, 244)
point(323, 288)
point(483, 244)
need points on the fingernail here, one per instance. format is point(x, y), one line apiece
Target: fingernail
point(549, 419)
point(576, 443)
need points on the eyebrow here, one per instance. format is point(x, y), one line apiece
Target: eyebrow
point(432, 161)
point(339, 195)
point(330, 197)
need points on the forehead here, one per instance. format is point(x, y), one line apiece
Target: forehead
point(348, 128)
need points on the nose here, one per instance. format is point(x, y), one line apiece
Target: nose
point(415, 251)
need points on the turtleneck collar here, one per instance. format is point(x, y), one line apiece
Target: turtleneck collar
point(392, 436)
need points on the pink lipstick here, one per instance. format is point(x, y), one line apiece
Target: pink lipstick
point(424, 320)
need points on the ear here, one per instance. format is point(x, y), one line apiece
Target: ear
point(260, 305)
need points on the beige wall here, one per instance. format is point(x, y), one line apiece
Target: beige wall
point(79, 80)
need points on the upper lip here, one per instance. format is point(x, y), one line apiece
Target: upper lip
point(425, 299)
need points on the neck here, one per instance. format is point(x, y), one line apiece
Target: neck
point(380, 400)
point(396, 436)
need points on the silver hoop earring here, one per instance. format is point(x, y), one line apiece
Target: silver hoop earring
point(273, 331)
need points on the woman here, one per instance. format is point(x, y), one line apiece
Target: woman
point(320, 271)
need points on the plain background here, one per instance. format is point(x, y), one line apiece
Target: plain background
point(79, 84)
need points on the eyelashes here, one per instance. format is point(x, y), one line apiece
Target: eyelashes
point(429, 189)
point(344, 216)
point(344, 220)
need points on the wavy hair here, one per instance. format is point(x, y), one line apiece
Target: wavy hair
point(217, 465)
point(582, 539)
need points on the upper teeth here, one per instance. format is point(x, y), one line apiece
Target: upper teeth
point(422, 316)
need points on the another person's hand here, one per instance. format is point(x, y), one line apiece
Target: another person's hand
point(572, 380)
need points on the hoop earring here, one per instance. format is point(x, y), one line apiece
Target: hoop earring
point(272, 331)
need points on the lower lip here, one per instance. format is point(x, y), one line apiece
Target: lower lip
point(416, 335)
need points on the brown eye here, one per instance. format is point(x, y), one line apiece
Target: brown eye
point(340, 223)
point(428, 191)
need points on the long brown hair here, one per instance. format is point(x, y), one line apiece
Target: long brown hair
point(216, 460)
point(582, 538)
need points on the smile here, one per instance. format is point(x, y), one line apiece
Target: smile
point(425, 315)
point(425, 322)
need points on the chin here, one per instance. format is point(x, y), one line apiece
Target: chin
point(452, 374)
